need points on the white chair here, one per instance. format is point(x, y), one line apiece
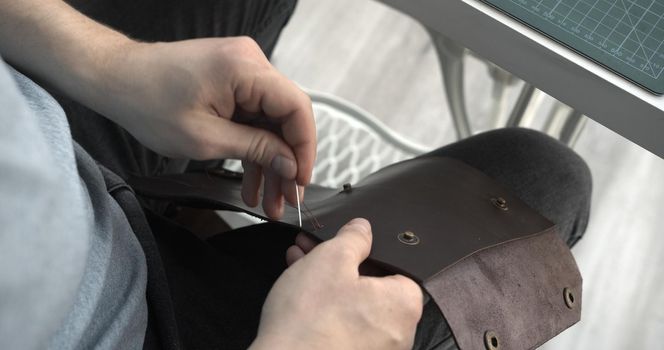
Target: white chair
point(352, 144)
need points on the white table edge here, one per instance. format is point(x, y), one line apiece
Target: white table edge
point(569, 77)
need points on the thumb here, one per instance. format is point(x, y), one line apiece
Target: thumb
point(355, 239)
point(259, 146)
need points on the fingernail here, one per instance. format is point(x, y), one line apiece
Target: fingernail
point(285, 167)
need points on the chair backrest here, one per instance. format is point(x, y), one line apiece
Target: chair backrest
point(352, 143)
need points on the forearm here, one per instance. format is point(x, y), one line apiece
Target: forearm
point(60, 46)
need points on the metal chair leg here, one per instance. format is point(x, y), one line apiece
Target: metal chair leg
point(450, 56)
point(502, 79)
point(533, 110)
point(572, 128)
point(555, 121)
point(565, 124)
point(521, 105)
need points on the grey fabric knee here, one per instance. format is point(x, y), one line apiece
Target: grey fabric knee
point(543, 172)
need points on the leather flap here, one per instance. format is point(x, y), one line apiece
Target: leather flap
point(519, 294)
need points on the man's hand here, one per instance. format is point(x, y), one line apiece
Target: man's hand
point(321, 301)
point(198, 99)
point(218, 98)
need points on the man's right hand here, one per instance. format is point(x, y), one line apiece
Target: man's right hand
point(213, 98)
point(322, 302)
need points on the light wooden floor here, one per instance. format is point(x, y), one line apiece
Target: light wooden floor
point(384, 62)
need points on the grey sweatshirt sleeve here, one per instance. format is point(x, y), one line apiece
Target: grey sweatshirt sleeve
point(43, 246)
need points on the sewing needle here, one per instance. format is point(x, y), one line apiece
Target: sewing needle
point(299, 209)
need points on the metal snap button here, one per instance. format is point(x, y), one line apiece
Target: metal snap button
point(569, 298)
point(491, 340)
point(500, 203)
point(409, 238)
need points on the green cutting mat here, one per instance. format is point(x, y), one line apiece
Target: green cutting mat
point(626, 36)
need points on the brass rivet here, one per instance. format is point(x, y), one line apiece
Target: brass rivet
point(408, 237)
point(500, 203)
point(348, 187)
point(491, 340)
point(569, 298)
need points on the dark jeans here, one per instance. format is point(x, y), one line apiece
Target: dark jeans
point(208, 294)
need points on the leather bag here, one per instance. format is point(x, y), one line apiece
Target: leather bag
point(497, 270)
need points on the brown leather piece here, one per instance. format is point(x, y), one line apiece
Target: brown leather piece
point(487, 268)
point(509, 290)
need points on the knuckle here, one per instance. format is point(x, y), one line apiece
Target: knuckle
point(245, 41)
point(200, 145)
point(337, 250)
point(410, 295)
point(259, 147)
point(343, 253)
point(396, 335)
point(414, 312)
point(202, 149)
point(398, 339)
point(246, 44)
point(306, 99)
